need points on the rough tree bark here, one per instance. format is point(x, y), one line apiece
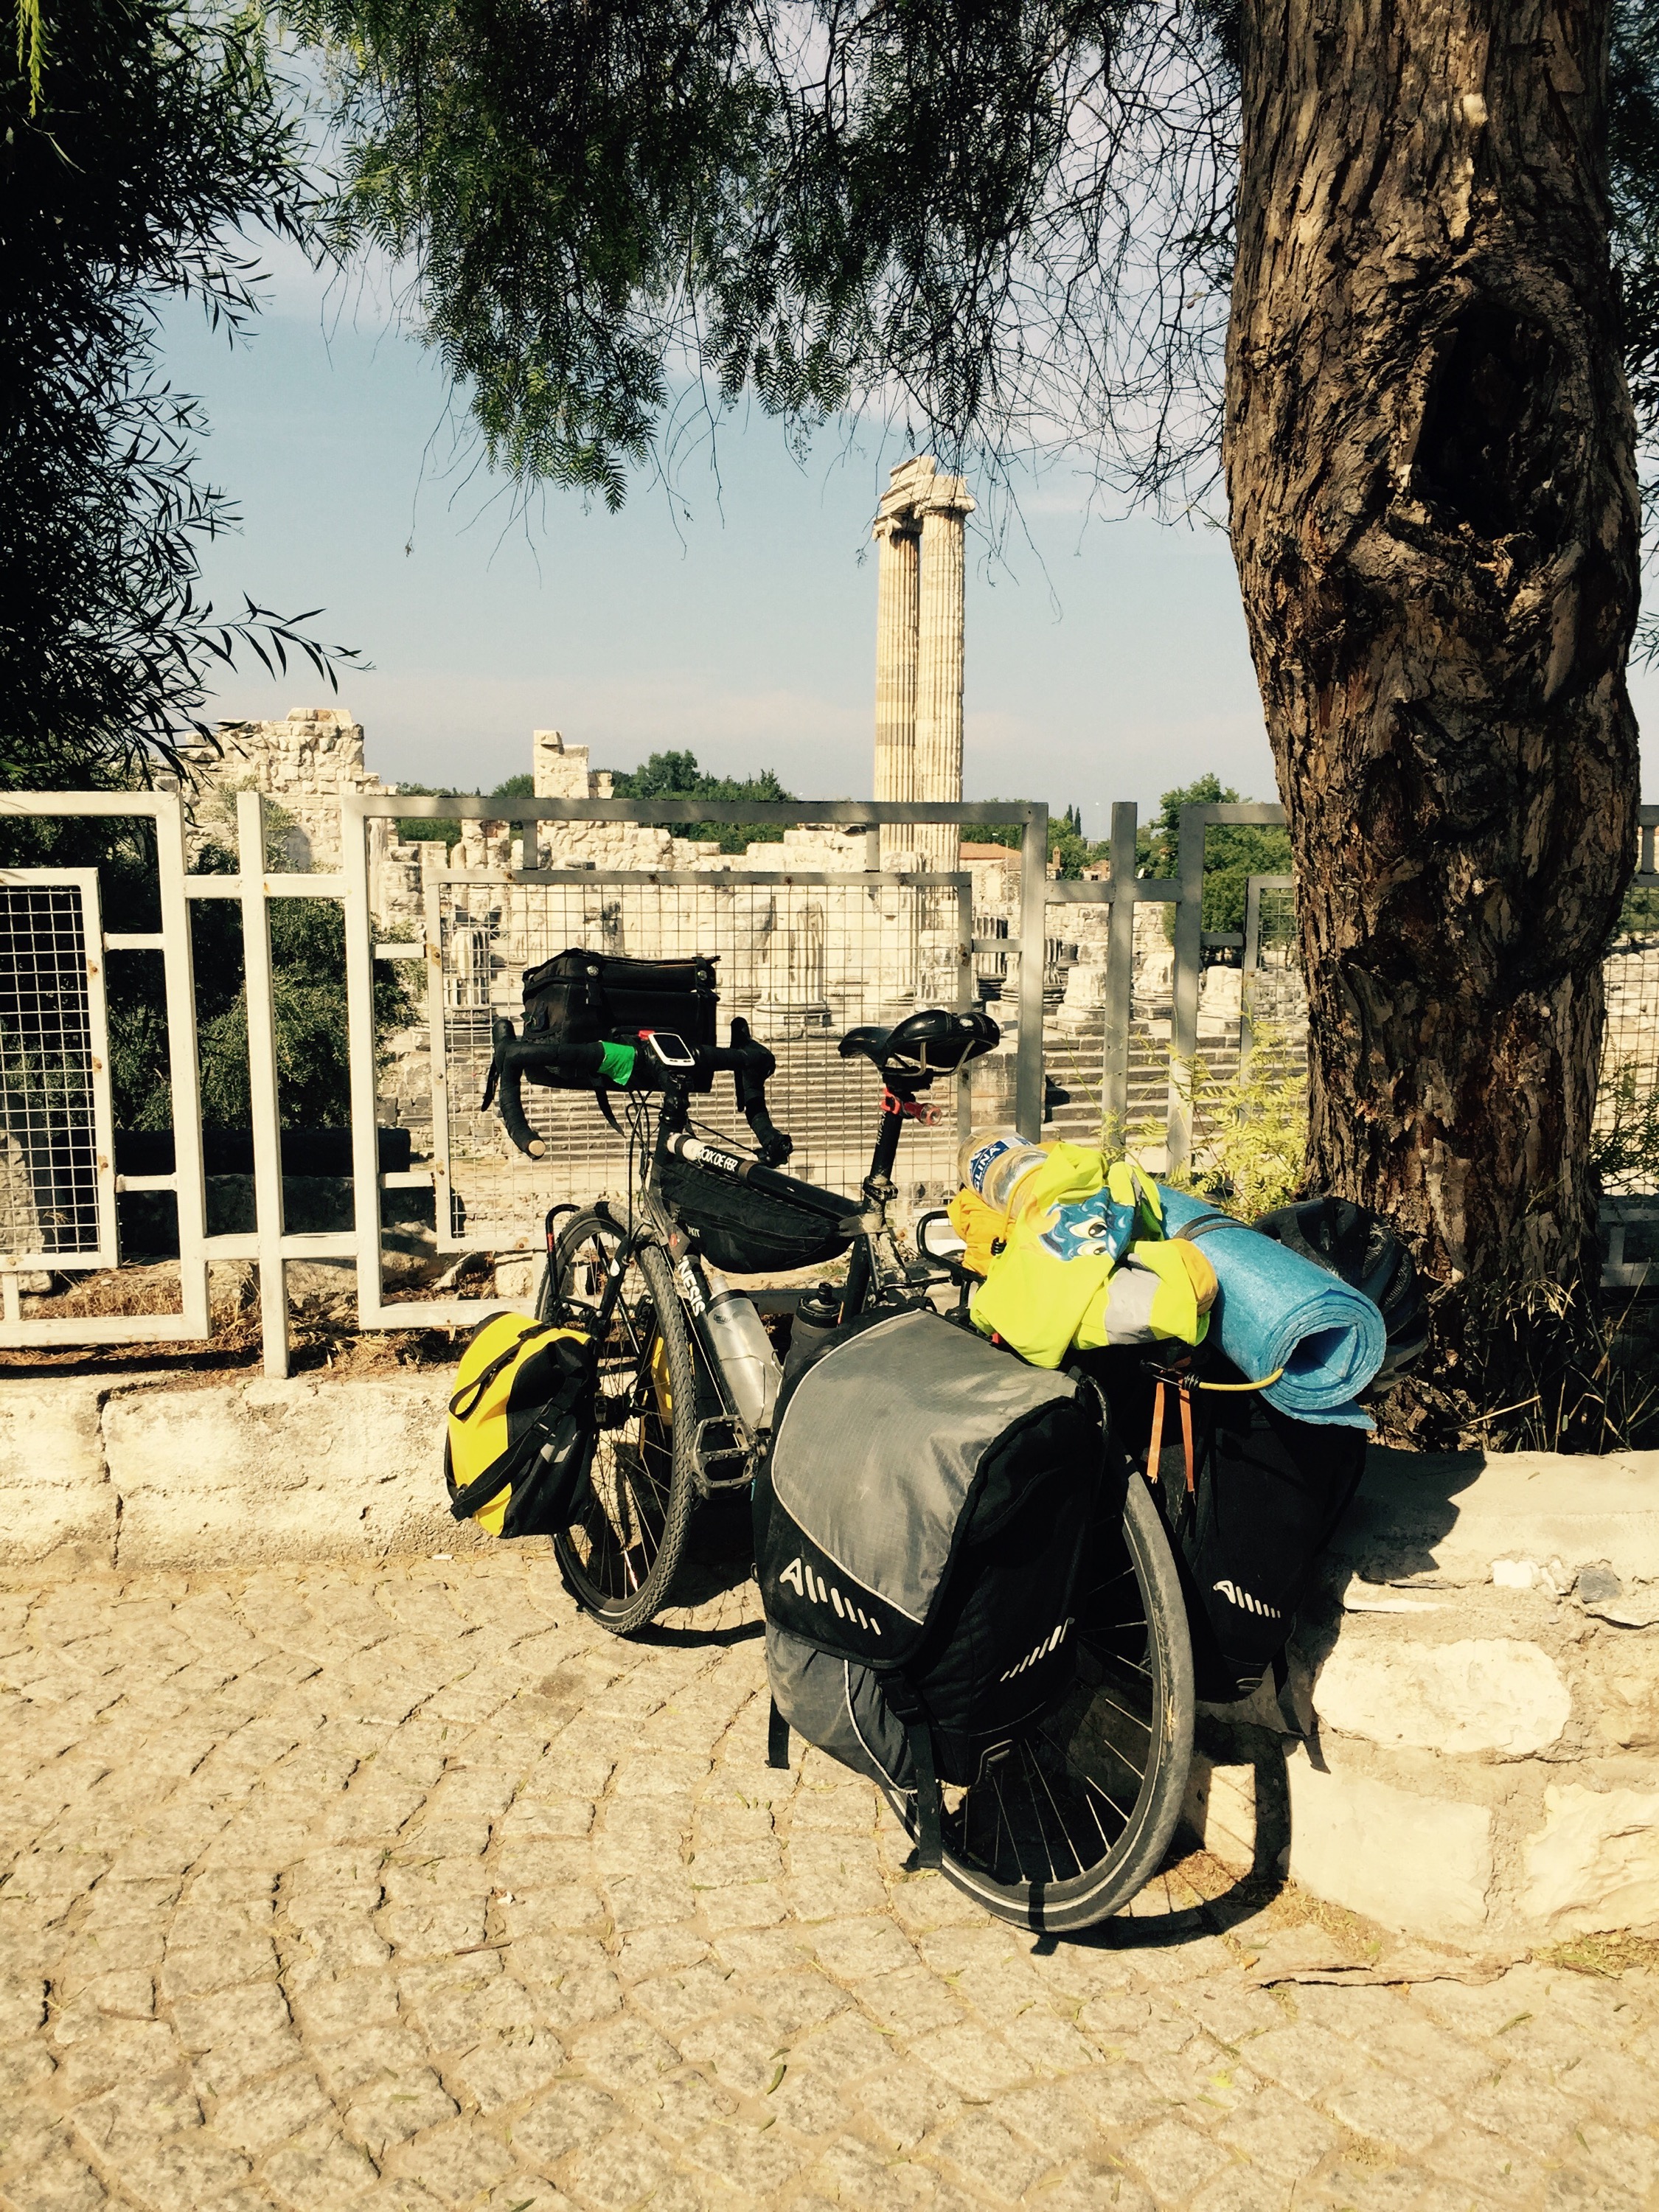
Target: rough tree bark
point(1435, 516)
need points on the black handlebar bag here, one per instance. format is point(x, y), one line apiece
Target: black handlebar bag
point(599, 998)
point(918, 1527)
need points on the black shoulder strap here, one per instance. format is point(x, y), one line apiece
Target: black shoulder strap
point(480, 1382)
point(556, 1422)
point(777, 1738)
point(908, 1707)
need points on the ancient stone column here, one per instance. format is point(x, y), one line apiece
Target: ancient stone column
point(938, 664)
point(896, 670)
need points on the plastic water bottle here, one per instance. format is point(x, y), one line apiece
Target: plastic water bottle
point(995, 1162)
point(737, 1336)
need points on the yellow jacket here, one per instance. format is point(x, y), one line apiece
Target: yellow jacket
point(1085, 1263)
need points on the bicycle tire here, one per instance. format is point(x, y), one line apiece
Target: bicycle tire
point(621, 1550)
point(1028, 1840)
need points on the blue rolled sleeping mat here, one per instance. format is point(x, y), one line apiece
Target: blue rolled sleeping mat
point(1277, 1309)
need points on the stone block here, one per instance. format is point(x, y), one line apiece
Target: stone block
point(1622, 1691)
point(1235, 1814)
point(55, 1492)
point(1447, 1517)
point(1478, 1694)
point(265, 1470)
point(1594, 1863)
point(1411, 1861)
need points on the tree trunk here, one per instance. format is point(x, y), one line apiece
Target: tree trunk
point(1430, 462)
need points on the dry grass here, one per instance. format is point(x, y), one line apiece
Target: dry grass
point(1608, 1955)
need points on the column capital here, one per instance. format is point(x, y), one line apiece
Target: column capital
point(949, 496)
point(887, 527)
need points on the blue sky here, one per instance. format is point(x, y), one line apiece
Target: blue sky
point(1106, 658)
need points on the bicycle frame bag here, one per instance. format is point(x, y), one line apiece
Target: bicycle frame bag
point(919, 1523)
point(601, 997)
point(744, 1231)
point(521, 1426)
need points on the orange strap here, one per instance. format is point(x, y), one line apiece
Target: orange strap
point(1154, 1448)
point(1155, 1443)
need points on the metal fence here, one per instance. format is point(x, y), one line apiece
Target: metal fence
point(805, 953)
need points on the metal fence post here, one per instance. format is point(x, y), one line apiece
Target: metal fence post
point(1033, 922)
point(184, 1065)
point(964, 1083)
point(264, 1102)
point(1120, 977)
point(1247, 974)
point(359, 1026)
point(1189, 962)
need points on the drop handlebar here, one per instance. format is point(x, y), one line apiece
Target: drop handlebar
point(577, 1066)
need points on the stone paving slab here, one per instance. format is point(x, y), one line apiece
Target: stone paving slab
point(403, 1889)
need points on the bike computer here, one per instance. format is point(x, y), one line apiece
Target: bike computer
point(668, 1048)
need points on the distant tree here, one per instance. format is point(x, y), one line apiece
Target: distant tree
point(1233, 852)
point(676, 775)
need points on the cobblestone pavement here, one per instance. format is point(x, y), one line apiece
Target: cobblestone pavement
point(404, 1887)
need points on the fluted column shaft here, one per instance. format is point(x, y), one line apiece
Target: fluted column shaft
point(938, 680)
point(896, 614)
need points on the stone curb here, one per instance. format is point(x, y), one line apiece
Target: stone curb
point(1468, 1746)
point(100, 1474)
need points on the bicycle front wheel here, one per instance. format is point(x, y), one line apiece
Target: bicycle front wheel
point(623, 1547)
point(1070, 1819)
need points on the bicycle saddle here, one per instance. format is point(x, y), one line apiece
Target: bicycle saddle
point(930, 1042)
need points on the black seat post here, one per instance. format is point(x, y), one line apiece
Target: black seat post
point(879, 1184)
point(878, 1191)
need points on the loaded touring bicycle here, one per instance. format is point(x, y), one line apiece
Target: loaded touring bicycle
point(1065, 1810)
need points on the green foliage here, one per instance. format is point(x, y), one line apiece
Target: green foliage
point(676, 775)
point(1233, 853)
point(932, 207)
point(423, 828)
point(522, 786)
point(1250, 1129)
point(1640, 916)
point(1624, 1151)
point(1001, 222)
point(308, 942)
point(307, 953)
point(139, 137)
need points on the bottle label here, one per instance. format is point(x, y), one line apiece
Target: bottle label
point(982, 1162)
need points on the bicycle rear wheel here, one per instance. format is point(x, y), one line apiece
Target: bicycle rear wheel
point(1069, 1819)
point(621, 1550)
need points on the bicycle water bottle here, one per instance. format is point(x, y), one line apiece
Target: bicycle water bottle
point(996, 1162)
point(737, 1336)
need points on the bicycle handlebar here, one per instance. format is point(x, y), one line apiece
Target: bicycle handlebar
point(513, 1057)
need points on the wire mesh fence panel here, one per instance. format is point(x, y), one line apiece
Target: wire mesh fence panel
point(1626, 1119)
point(54, 1138)
point(803, 962)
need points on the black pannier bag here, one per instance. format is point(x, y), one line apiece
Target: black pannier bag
point(918, 1527)
point(745, 1231)
point(1267, 1494)
point(599, 998)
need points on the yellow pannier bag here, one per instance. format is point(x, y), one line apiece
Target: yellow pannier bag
point(521, 1426)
